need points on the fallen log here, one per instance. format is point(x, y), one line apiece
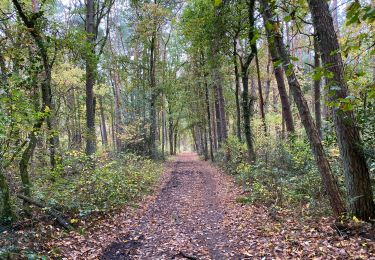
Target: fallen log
point(50, 211)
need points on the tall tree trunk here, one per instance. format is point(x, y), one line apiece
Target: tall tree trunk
point(47, 105)
point(153, 114)
point(273, 35)
point(317, 84)
point(219, 96)
point(261, 101)
point(279, 76)
point(205, 143)
point(118, 129)
point(90, 79)
point(357, 178)
point(208, 111)
point(237, 91)
point(246, 117)
point(175, 140)
point(103, 124)
point(246, 101)
point(214, 131)
point(268, 85)
point(171, 144)
point(217, 118)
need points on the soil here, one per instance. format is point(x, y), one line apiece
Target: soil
point(183, 222)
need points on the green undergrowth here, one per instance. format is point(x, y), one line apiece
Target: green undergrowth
point(78, 186)
point(284, 174)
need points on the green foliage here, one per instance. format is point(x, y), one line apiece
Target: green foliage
point(80, 188)
point(284, 175)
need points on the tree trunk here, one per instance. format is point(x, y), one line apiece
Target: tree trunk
point(118, 129)
point(357, 178)
point(90, 79)
point(153, 114)
point(279, 76)
point(6, 214)
point(317, 84)
point(268, 85)
point(246, 117)
point(261, 101)
point(171, 144)
point(237, 91)
point(103, 124)
point(329, 182)
point(214, 131)
point(208, 111)
point(47, 105)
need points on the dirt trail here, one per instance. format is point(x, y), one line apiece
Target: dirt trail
point(193, 214)
point(183, 222)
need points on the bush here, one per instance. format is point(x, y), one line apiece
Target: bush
point(112, 183)
point(284, 174)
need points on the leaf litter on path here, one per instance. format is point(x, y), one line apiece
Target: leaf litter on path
point(194, 215)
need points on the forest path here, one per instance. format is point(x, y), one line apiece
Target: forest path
point(185, 219)
point(193, 214)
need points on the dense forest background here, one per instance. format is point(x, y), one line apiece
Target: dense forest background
point(95, 94)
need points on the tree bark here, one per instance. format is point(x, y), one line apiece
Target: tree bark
point(208, 111)
point(246, 117)
point(237, 91)
point(273, 35)
point(90, 79)
point(317, 94)
point(103, 124)
point(279, 76)
point(357, 177)
point(6, 213)
point(153, 114)
point(260, 92)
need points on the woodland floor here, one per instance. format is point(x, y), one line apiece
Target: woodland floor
point(193, 214)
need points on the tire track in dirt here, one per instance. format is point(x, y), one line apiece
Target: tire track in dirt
point(183, 222)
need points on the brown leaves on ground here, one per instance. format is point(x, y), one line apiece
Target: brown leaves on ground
point(194, 215)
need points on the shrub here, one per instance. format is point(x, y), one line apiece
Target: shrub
point(113, 182)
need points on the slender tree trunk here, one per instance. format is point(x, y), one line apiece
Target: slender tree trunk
point(214, 132)
point(357, 177)
point(153, 114)
point(175, 141)
point(47, 104)
point(90, 79)
point(118, 129)
point(103, 124)
point(171, 146)
point(261, 101)
point(163, 133)
point(279, 76)
point(219, 98)
point(217, 119)
point(205, 143)
point(237, 91)
point(208, 111)
point(273, 35)
point(268, 85)
point(317, 84)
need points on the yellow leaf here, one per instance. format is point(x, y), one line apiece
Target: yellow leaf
point(356, 220)
point(73, 220)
